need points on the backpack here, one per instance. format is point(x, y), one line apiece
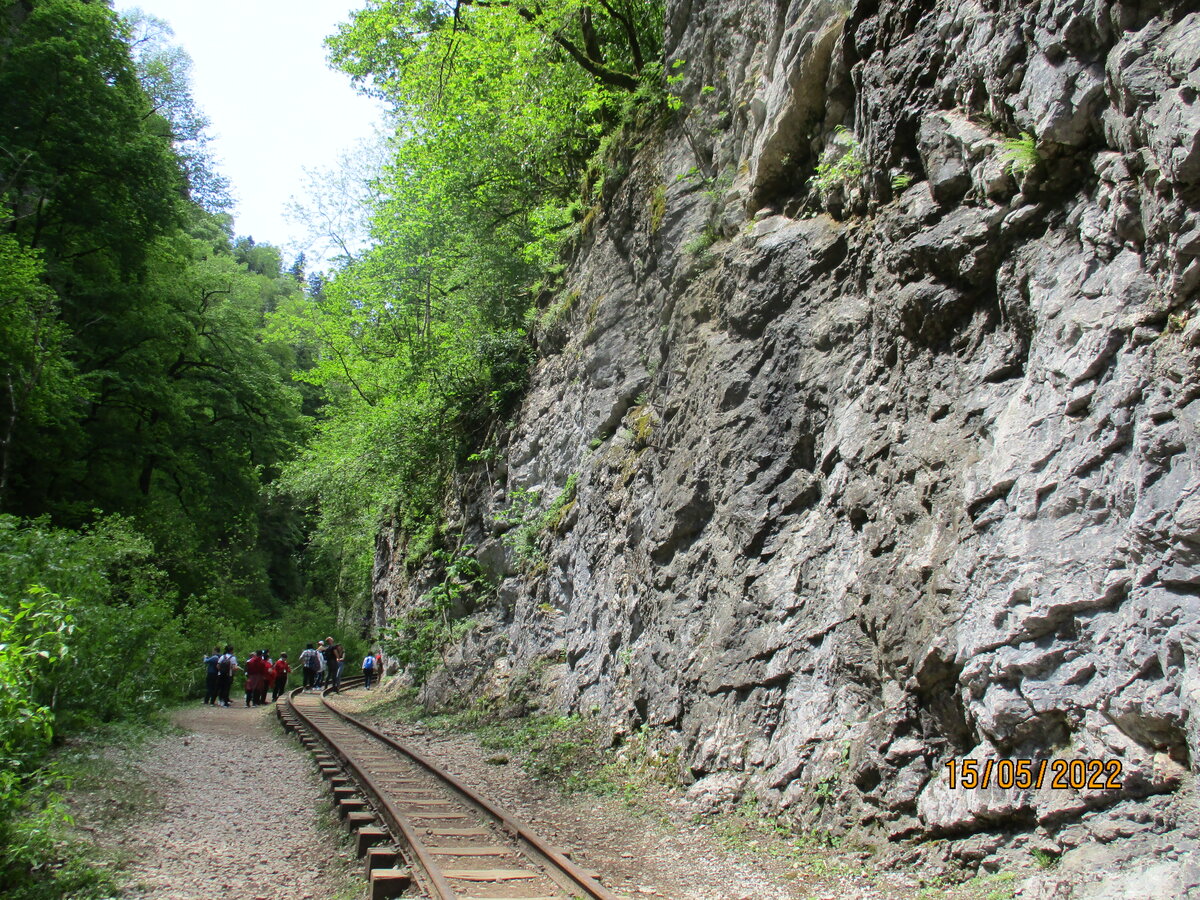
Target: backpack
point(368, 664)
point(223, 665)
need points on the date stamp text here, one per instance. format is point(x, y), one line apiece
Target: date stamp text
point(1026, 774)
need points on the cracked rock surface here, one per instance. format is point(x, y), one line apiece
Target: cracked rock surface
point(898, 471)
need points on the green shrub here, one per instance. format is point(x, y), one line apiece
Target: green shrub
point(120, 648)
point(843, 169)
point(423, 632)
point(1021, 154)
point(698, 246)
point(530, 525)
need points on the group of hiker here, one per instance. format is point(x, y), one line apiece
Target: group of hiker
point(263, 675)
point(321, 667)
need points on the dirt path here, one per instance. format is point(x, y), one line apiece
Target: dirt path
point(234, 810)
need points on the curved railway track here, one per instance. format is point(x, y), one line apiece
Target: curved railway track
point(455, 844)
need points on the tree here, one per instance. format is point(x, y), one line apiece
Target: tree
point(418, 343)
point(86, 167)
point(164, 71)
point(335, 207)
point(39, 384)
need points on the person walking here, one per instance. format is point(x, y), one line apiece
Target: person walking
point(226, 666)
point(319, 681)
point(339, 662)
point(368, 669)
point(210, 677)
point(330, 664)
point(254, 674)
point(281, 676)
point(268, 681)
point(308, 666)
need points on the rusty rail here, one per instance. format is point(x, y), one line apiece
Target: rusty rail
point(545, 860)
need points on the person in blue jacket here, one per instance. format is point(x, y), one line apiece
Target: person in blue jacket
point(368, 670)
point(210, 677)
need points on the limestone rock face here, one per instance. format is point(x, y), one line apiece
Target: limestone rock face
point(877, 474)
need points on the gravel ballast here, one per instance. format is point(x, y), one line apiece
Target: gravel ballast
point(238, 811)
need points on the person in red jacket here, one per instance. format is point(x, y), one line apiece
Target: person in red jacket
point(268, 678)
point(281, 676)
point(254, 677)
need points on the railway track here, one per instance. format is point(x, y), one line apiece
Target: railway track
point(420, 828)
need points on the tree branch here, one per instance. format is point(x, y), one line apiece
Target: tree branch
point(594, 67)
point(630, 31)
point(591, 41)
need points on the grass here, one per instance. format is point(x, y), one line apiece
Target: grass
point(1021, 154)
point(658, 207)
point(699, 244)
point(1044, 859)
point(812, 853)
point(998, 886)
point(571, 752)
point(555, 315)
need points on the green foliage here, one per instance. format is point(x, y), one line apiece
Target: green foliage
point(88, 167)
point(529, 524)
point(119, 650)
point(418, 347)
point(522, 514)
point(416, 642)
point(164, 72)
point(1177, 322)
point(66, 657)
point(571, 751)
point(658, 207)
point(644, 422)
point(699, 244)
point(1044, 858)
point(144, 409)
point(561, 749)
point(901, 182)
point(844, 166)
point(997, 886)
point(43, 387)
point(1021, 154)
point(130, 329)
point(551, 323)
point(38, 859)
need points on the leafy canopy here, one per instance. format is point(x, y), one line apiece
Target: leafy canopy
point(419, 344)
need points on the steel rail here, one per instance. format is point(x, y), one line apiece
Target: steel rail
point(441, 888)
point(579, 880)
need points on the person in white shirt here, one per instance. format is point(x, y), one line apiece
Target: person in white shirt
point(308, 666)
point(226, 666)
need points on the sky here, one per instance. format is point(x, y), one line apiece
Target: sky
point(259, 74)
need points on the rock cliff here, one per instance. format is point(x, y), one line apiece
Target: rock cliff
point(868, 425)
